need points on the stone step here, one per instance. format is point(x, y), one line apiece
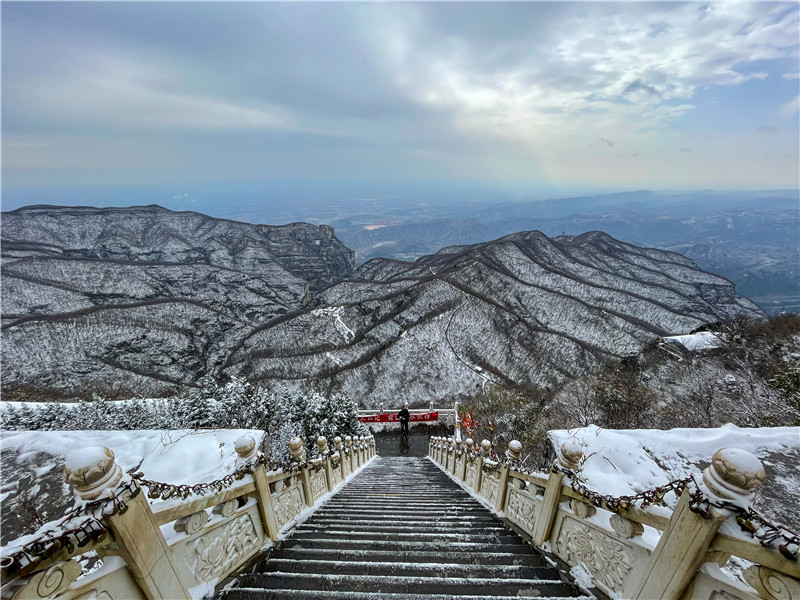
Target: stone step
point(370, 584)
point(401, 527)
point(436, 536)
point(409, 511)
point(348, 544)
point(402, 530)
point(422, 556)
point(355, 518)
point(407, 569)
point(261, 594)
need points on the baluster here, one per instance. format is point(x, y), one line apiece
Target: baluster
point(92, 470)
point(734, 474)
point(569, 457)
point(247, 452)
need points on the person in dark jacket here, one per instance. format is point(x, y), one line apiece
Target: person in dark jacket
point(404, 417)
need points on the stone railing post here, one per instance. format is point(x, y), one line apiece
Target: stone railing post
point(461, 465)
point(513, 454)
point(569, 457)
point(247, 451)
point(348, 442)
point(338, 446)
point(486, 452)
point(734, 474)
point(299, 456)
point(91, 471)
point(322, 448)
point(456, 460)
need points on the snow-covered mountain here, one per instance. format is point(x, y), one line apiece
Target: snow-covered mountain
point(144, 298)
point(522, 310)
point(144, 301)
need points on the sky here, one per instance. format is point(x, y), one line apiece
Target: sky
point(508, 96)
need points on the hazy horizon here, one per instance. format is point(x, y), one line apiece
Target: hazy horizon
point(312, 100)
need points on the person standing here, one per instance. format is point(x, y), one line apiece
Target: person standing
point(404, 417)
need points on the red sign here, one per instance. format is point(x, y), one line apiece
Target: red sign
point(392, 417)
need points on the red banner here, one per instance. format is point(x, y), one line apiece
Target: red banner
point(392, 417)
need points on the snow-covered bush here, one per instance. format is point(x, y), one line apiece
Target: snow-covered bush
point(283, 413)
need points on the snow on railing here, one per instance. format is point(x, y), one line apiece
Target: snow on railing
point(634, 546)
point(176, 548)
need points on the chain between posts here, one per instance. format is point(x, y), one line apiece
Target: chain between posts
point(767, 533)
point(32, 553)
point(63, 534)
point(159, 489)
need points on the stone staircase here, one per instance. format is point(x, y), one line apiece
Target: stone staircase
point(402, 529)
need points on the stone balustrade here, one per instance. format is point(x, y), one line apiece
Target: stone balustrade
point(633, 552)
point(177, 547)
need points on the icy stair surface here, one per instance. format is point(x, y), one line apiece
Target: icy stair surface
point(402, 529)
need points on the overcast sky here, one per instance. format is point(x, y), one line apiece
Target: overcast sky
point(606, 96)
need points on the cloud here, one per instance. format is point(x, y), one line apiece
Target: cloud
point(791, 76)
point(791, 107)
point(684, 149)
point(766, 129)
point(480, 90)
point(637, 86)
point(586, 68)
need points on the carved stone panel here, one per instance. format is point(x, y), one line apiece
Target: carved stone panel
point(318, 484)
point(489, 487)
point(214, 554)
point(610, 562)
point(469, 480)
point(337, 475)
point(288, 505)
point(521, 509)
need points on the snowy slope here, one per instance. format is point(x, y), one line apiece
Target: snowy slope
point(522, 310)
point(146, 299)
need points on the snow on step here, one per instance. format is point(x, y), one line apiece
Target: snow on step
point(402, 529)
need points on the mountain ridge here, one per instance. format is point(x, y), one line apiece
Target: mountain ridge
point(157, 300)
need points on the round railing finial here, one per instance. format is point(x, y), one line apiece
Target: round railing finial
point(514, 451)
point(486, 448)
point(296, 449)
point(734, 473)
point(245, 446)
point(570, 454)
point(91, 470)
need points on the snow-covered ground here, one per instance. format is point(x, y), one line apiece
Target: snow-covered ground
point(623, 462)
point(33, 462)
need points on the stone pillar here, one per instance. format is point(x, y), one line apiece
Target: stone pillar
point(91, 471)
point(338, 448)
point(247, 452)
point(322, 448)
point(485, 453)
point(733, 475)
point(356, 452)
point(348, 442)
point(569, 457)
point(513, 454)
point(299, 456)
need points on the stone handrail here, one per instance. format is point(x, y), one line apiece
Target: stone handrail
point(636, 552)
point(178, 547)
